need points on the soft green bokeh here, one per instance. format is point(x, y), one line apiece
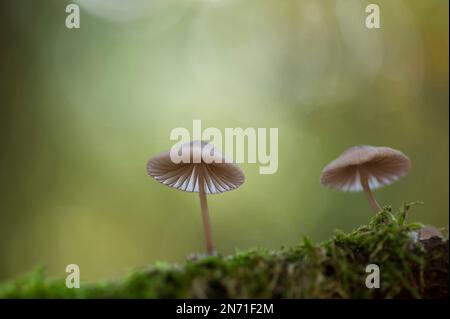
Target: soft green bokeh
point(83, 111)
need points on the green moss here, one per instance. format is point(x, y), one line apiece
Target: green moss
point(333, 269)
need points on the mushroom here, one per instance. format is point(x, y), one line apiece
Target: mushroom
point(428, 232)
point(365, 168)
point(205, 171)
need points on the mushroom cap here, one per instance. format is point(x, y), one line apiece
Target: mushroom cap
point(381, 165)
point(428, 232)
point(220, 175)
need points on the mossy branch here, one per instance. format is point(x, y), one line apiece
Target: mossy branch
point(409, 268)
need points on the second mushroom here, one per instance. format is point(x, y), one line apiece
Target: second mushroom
point(205, 171)
point(364, 168)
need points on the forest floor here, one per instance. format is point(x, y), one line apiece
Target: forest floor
point(408, 268)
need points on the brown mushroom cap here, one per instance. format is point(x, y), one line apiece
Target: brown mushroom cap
point(381, 165)
point(219, 176)
point(428, 232)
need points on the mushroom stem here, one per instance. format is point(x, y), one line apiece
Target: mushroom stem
point(372, 201)
point(205, 214)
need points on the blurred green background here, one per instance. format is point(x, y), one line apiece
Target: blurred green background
point(83, 110)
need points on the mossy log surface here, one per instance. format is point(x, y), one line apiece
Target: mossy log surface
point(409, 268)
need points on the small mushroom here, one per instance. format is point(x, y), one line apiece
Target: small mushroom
point(204, 174)
point(428, 232)
point(365, 168)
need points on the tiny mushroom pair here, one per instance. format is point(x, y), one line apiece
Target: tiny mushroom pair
point(360, 168)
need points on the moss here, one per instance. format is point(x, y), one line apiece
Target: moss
point(333, 269)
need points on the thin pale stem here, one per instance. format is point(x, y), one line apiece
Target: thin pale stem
point(369, 195)
point(205, 212)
